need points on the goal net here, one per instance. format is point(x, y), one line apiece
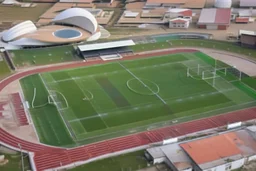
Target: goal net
point(58, 99)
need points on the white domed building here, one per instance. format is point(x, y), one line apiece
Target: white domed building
point(223, 3)
point(70, 26)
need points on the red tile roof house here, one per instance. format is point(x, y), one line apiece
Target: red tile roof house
point(214, 18)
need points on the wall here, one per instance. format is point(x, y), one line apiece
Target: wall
point(238, 163)
point(248, 40)
point(181, 25)
point(159, 160)
point(251, 158)
point(234, 165)
point(202, 26)
point(222, 27)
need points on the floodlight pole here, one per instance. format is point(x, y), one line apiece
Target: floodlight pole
point(213, 82)
point(198, 69)
point(240, 75)
point(187, 72)
point(22, 162)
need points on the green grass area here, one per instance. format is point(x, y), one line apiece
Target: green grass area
point(43, 56)
point(114, 99)
point(15, 162)
point(130, 161)
point(219, 45)
point(4, 69)
point(47, 120)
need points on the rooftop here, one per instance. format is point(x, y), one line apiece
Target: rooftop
point(194, 4)
point(247, 3)
point(178, 157)
point(179, 20)
point(106, 45)
point(215, 16)
point(185, 12)
point(252, 33)
point(174, 153)
point(213, 148)
point(167, 1)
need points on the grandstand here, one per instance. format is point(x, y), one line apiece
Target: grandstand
point(115, 49)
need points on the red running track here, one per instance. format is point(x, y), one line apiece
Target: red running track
point(46, 157)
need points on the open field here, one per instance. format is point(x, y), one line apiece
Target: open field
point(218, 45)
point(101, 101)
point(43, 56)
point(16, 13)
point(131, 161)
point(4, 69)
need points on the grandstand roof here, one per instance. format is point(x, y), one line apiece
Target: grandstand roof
point(106, 45)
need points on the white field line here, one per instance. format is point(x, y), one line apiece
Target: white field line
point(178, 119)
point(147, 104)
point(98, 115)
point(248, 86)
point(233, 81)
point(34, 97)
point(56, 106)
point(116, 72)
point(157, 95)
point(63, 98)
point(88, 117)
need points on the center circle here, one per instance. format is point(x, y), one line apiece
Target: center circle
point(67, 33)
point(143, 86)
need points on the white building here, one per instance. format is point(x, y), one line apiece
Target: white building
point(179, 23)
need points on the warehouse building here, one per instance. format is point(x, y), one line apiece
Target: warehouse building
point(214, 18)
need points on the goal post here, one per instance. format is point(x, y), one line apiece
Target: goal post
point(50, 99)
point(195, 71)
point(209, 74)
point(221, 71)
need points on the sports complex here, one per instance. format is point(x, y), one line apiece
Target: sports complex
point(121, 96)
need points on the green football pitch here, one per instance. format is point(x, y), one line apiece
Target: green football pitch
point(93, 103)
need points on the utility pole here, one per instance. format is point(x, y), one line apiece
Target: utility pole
point(22, 162)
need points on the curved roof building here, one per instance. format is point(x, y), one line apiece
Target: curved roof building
point(78, 17)
point(70, 26)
